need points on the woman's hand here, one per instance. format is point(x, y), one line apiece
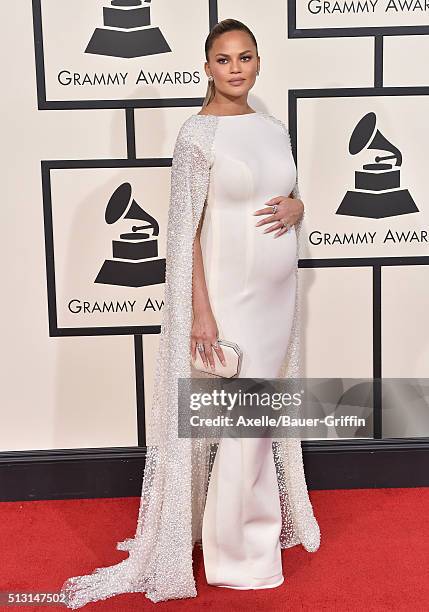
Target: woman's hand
point(289, 210)
point(205, 332)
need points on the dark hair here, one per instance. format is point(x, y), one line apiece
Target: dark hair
point(227, 25)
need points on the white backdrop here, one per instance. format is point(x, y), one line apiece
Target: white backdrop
point(69, 376)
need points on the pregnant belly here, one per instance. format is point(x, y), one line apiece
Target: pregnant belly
point(274, 259)
point(251, 285)
point(238, 256)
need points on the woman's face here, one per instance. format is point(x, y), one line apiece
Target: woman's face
point(233, 63)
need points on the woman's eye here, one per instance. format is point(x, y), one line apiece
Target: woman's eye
point(246, 57)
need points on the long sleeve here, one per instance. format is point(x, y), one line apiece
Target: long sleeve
point(190, 173)
point(160, 553)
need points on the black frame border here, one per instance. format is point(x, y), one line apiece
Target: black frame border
point(88, 473)
point(127, 103)
point(46, 167)
point(375, 263)
point(350, 32)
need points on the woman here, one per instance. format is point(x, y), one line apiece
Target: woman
point(225, 278)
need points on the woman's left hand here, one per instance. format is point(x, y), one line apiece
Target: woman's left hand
point(290, 210)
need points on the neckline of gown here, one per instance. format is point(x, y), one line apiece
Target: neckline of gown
point(227, 116)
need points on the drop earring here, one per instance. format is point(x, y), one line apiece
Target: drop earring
point(210, 78)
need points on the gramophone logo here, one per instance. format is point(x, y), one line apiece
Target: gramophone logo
point(135, 260)
point(127, 31)
point(377, 192)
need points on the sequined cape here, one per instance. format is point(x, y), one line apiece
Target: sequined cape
point(177, 470)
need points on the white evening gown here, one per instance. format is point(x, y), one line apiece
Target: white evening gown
point(251, 283)
point(228, 167)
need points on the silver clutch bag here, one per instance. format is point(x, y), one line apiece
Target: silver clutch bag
point(233, 358)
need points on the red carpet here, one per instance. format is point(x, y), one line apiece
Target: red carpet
point(374, 554)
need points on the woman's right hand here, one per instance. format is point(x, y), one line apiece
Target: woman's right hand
point(204, 331)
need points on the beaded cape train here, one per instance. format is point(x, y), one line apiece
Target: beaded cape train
point(177, 470)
